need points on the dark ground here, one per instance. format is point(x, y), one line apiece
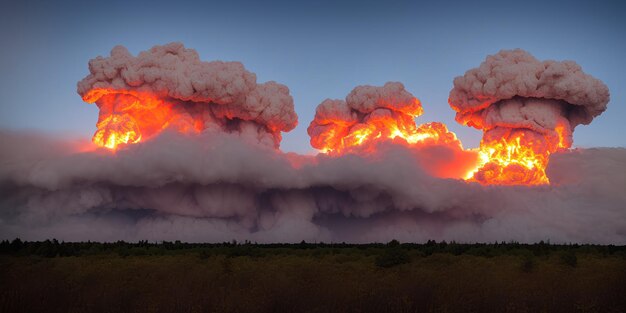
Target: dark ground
point(434, 277)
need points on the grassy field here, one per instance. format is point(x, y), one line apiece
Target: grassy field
point(374, 278)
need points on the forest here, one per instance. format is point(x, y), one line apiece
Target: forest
point(310, 277)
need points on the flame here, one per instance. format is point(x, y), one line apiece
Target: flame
point(510, 157)
point(116, 129)
point(518, 157)
point(127, 117)
point(364, 136)
point(509, 162)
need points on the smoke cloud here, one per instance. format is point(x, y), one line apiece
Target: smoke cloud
point(170, 87)
point(518, 100)
point(205, 165)
point(372, 114)
point(481, 96)
point(223, 188)
point(367, 109)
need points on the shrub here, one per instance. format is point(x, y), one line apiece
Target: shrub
point(569, 258)
point(528, 263)
point(393, 255)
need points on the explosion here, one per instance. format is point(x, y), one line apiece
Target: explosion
point(370, 115)
point(197, 159)
point(169, 87)
point(126, 116)
point(527, 110)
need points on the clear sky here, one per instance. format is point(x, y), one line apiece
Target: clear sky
point(319, 49)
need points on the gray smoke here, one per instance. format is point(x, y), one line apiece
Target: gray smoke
point(217, 185)
point(223, 188)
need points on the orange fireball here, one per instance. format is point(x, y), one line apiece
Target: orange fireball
point(128, 116)
point(370, 115)
point(527, 110)
point(169, 87)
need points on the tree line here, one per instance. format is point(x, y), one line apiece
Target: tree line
point(55, 248)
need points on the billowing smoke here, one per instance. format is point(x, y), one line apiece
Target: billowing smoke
point(527, 110)
point(366, 113)
point(205, 168)
point(219, 187)
point(371, 115)
point(170, 87)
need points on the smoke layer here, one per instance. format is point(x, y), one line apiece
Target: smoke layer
point(223, 188)
point(385, 178)
point(169, 86)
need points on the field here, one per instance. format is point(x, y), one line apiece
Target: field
point(230, 277)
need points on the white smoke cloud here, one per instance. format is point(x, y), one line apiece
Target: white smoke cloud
point(223, 188)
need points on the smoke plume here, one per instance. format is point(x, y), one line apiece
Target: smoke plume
point(340, 124)
point(519, 101)
point(370, 115)
point(193, 157)
point(170, 87)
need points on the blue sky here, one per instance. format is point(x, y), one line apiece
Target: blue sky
point(319, 49)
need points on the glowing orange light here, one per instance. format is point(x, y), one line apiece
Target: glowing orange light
point(516, 158)
point(376, 129)
point(128, 117)
point(509, 162)
point(116, 129)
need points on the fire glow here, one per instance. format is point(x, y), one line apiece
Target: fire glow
point(525, 117)
point(363, 137)
point(527, 110)
point(510, 162)
point(127, 116)
point(516, 158)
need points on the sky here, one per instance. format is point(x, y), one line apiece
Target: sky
point(319, 49)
